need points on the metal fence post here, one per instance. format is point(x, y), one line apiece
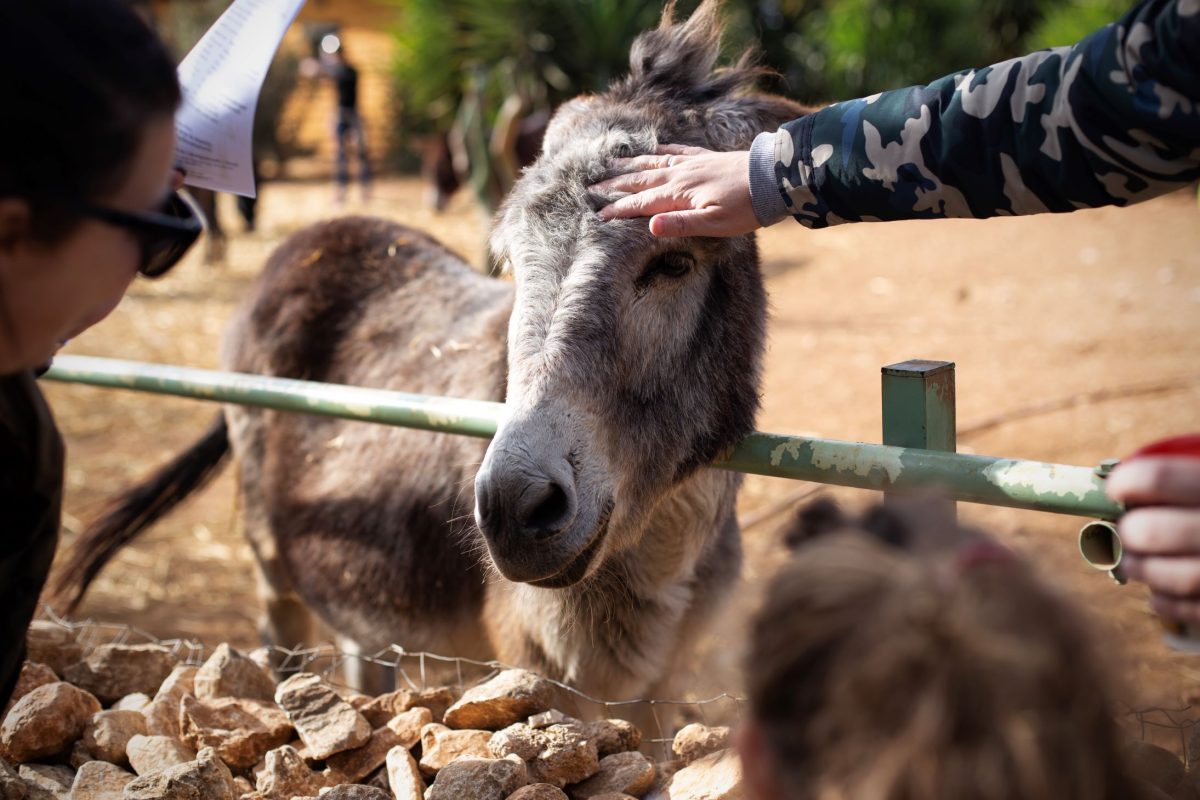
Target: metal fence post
point(918, 405)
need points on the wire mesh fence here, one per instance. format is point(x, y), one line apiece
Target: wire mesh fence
point(1171, 728)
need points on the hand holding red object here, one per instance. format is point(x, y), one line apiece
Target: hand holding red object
point(1160, 485)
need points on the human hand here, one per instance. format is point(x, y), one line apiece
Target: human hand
point(686, 191)
point(1161, 534)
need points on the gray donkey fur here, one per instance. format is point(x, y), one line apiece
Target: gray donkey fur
point(601, 542)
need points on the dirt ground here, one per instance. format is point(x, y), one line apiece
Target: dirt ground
point(1035, 309)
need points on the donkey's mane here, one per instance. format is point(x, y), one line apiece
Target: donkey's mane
point(674, 90)
point(678, 61)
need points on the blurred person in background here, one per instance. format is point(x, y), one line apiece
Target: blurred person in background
point(87, 202)
point(1112, 120)
point(347, 123)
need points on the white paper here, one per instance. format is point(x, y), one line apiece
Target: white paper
point(221, 79)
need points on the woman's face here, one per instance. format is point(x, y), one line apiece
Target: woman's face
point(50, 292)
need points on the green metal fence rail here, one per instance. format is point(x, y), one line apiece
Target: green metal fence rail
point(1034, 485)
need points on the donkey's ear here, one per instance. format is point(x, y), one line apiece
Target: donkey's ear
point(677, 62)
point(732, 123)
point(680, 56)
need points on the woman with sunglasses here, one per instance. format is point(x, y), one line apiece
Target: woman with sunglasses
point(87, 136)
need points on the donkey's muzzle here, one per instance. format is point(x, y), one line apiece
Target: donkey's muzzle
point(526, 512)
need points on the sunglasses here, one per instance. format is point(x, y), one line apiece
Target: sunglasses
point(164, 235)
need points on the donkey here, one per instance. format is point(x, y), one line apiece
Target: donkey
point(600, 542)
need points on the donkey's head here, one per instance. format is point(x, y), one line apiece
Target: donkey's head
point(633, 361)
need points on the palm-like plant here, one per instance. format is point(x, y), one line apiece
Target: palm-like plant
point(459, 62)
point(544, 50)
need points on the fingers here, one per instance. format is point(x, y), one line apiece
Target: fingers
point(689, 222)
point(644, 204)
point(1161, 531)
point(1156, 481)
point(713, 221)
point(1161, 535)
point(643, 163)
point(680, 150)
point(1175, 576)
point(665, 156)
point(632, 182)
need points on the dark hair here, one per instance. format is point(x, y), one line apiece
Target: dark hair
point(81, 80)
point(899, 656)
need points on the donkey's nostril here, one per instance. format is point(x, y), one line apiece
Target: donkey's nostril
point(518, 500)
point(545, 514)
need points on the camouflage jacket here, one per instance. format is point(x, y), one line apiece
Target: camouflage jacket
point(1113, 120)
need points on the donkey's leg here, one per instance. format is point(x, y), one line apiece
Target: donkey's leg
point(365, 676)
point(285, 622)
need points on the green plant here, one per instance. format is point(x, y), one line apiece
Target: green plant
point(838, 49)
point(1067, 23)
point(543, 50)
point(458, 62)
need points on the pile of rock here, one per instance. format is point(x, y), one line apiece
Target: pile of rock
point(129, 722)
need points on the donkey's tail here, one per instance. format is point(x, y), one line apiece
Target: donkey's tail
point(137, 509)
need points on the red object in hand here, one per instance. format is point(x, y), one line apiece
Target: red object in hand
point(1186, 446)
point(1180, 635)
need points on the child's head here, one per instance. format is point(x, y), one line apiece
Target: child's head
point(899, 657)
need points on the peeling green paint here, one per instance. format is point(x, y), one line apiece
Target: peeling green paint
point(791, 449)
point(439, 421)
point(827, 457)
point(1030, 475)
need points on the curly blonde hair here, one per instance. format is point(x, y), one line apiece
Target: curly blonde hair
point(900, 657)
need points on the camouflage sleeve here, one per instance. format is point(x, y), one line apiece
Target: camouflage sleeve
point(1112, 120)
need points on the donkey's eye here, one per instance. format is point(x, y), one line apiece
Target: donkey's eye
point(669, 265)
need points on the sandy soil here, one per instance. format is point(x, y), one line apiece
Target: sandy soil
point(1030, 309)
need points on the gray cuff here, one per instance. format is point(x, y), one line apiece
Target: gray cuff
point(765, 197)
